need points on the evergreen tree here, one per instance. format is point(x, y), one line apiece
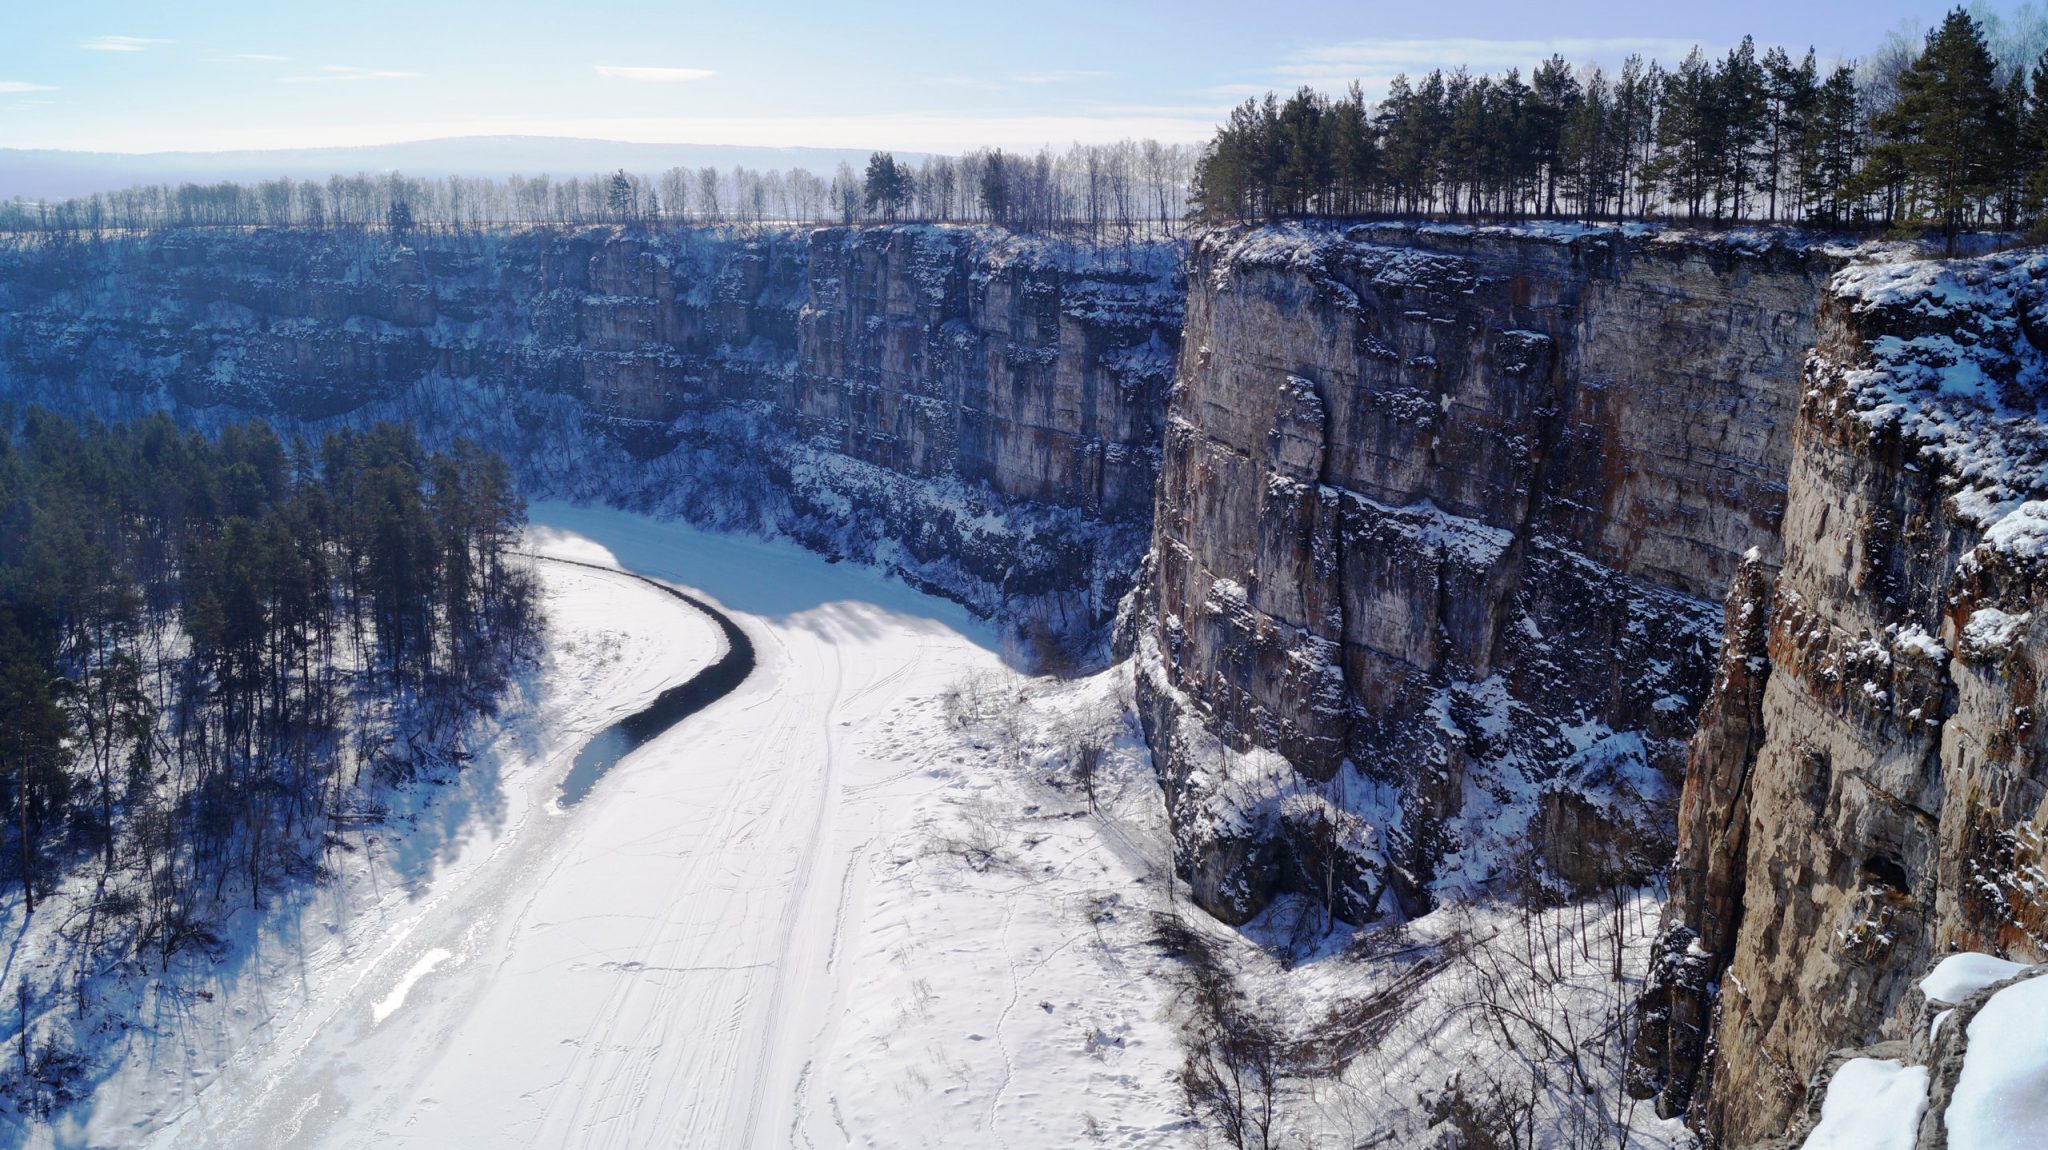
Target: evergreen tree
point(1555, 93)
point(886, 186)
point(2033, 154)
point(1791, 91)
point(620, 199)
point(1688, 158)
point(1830, 149)
point(1738, 129)
point(1946, 133)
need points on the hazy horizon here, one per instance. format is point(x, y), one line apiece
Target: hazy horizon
point(133, 78)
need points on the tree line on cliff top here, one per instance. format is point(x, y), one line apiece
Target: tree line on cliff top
point(1950, 133)
point(1942, 135)
point(1101, 192)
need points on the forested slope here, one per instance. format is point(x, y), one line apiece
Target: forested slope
point(212, 653)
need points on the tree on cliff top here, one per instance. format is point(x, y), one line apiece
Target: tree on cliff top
point(621, 198)
point(1948, 131)
point(887, 185)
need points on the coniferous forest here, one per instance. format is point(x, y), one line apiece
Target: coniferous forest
point(1950, 139)
point(210, 647)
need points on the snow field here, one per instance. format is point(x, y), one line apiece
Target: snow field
point(823, 911)
point(863, 900)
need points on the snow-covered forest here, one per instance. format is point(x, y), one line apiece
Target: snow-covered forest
point(206, 646)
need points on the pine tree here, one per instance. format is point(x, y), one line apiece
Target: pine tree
point(886, 185)
point(1555, 93)
point(1741, 96)
point(1946, 132)
point(1830, 149)
point(1791, 91)
point(620, 198)
point(2034, 145)
point(1589, 155)
point(1687, 157)
point(1304, 170)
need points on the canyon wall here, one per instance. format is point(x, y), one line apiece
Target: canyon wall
point(1467, 560)
point(1868, 790)
point(975, 411)
point(1443, 519)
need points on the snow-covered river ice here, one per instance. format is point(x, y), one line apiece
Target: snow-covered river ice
point(755, 930)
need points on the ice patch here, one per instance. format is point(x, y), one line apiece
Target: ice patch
point(389, 1004)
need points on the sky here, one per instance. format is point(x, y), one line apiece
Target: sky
point(914, 75)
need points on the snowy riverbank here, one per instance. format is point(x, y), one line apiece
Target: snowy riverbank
point(762, 928)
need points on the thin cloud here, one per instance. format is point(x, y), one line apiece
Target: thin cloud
point(334, 73)
point(904, 132)
point(261, 57)
point(1382, 59)
point(653, 75)
point(1068, 77)
point(12, 87)
point(123, 43)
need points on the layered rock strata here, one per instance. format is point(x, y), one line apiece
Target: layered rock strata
point(975, 411)
point(1868, 791)
point(1442, 517)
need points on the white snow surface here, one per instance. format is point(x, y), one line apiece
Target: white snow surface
point(1872, 1104)
point(2001, 1099)
point(1950, 363)
point(1959, 976)
point(820, 912)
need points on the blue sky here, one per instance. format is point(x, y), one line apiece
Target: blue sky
point(913, 75)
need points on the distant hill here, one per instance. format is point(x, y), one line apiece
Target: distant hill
point(55, 174)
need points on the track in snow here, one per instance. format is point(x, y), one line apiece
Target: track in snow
point(654, 966)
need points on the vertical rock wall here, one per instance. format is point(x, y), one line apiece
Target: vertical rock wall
point(976, 411)
point(1441, 518)
point(1868, 789)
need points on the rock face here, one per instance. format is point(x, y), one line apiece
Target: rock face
point(1440, 519)
point(1433, 521)
point(1936, 1050)
point(978, 412)
point(1869, 789)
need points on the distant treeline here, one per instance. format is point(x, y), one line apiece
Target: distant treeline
point(1088, 188)
point(1944, 135)
point(207, 643)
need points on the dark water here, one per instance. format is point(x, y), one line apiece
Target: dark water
point(670, 707)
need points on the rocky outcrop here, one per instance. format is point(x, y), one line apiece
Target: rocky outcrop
point(1910, 1091)
point(1869, 790)
point(1440, 518)
point(975, 411)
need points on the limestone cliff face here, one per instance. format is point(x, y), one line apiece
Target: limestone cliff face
point(1867, 790)
point(978, 412)
point(1441, 516)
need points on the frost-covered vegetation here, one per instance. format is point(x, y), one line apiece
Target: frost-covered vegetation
point(207, 647)
point(1127, 187)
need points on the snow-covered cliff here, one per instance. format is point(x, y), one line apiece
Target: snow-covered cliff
point(1442, 518)
point(1868, 791)
point(974, 411)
